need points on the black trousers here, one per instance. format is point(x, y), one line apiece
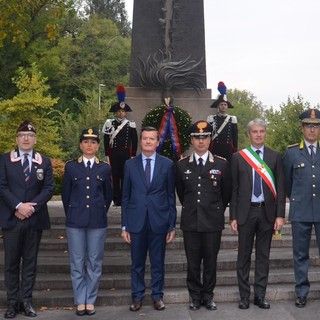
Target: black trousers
point(201, 250)
point(257, 228)
point(118, 157)
point(21, 245)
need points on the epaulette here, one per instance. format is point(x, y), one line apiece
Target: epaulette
point(293, 145)
point(132, 124)
point(234, 119)
point(104, 161)
point(219, 157)
point(71, 160)
point(183, 158)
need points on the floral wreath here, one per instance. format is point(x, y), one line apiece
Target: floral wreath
point(172, 123)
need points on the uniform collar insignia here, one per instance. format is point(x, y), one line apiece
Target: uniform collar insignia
point(14, 156)
point(188, 172)
point(37, 158)
point(80, 159)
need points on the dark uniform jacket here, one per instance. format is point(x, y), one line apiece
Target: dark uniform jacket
point(226, 142)
point(242, 184)
point(127, 138)
point(204, 196)
point(302, 183)
point(14, 189)
point(86, 194)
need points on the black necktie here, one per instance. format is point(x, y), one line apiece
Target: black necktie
point(88, 165)
point(200, 165)
point(257, 181)
point(312, 154)
point(147, 171)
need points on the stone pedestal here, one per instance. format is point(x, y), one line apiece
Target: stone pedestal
point(142, 100)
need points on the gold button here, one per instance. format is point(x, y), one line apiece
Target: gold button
point(87, 206)
point(198, 200)
point(87, 187)
point(88, 178)
point(314, 194)
point(88, 197)
point(313, 185)
point(199, 185)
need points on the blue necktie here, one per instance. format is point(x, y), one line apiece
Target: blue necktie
point(257, 181)
point(147, 171)
point(25, 167)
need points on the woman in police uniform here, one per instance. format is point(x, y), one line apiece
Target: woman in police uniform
point(86, 197)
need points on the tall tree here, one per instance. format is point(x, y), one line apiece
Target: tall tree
point(246, 108)
point(31, 103)
point(113, 10)
point(24, 21)
point(284, 127)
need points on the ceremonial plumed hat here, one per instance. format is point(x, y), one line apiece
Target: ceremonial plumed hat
point(26, 126)
point(310, 116)
point(200, 129)
point(90, 134)
point(222, 97)
point(120, 105)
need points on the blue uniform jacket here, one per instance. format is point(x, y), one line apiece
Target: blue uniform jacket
point(86, 195)
point(302, 183)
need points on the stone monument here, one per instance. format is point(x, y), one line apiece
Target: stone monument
point(168, 57)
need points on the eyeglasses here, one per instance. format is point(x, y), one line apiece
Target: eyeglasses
point(311, 126)
point(26, 135)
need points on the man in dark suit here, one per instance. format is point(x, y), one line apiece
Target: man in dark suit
point(26, 185)
point(301, 167)
point(148, 216)
point(257, 208)
point(203, 185)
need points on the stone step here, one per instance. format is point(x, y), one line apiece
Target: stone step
point(115, 281)
point(64, 298)
point(58, 230)
point(120, 261)
point(116, 243)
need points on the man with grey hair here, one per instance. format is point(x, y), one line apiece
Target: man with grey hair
point(257, 209)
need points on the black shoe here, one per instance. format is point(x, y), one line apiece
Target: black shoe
point(28, 310)
point(90, 312)
point(261, 302)
point(244, 303)
point(301, 302)
point(210, 304)
point(194, 305)
point(11, 311)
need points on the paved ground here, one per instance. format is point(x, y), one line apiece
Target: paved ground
point(229, 311)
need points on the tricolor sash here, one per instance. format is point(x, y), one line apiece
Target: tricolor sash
point(253, 159)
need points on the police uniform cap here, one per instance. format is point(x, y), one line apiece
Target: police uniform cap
point(200, 129)
point(310, 116)
point(26, 126)
point(90, 134)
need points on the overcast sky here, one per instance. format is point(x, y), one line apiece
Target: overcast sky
point(270, 48)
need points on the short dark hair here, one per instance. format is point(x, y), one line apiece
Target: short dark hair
point(149, 128)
